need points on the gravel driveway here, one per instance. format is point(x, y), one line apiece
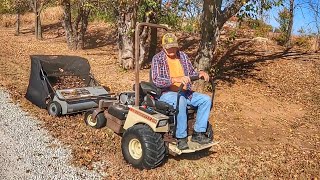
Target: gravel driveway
point(29, 152)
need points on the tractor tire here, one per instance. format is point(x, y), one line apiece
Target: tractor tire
point(142, 147)
point(99, 122)
point(209, 132)
point(54, 109)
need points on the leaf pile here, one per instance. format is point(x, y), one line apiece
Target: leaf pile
point(67, 82)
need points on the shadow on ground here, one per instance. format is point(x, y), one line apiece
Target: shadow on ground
point(195, 155)
point(232, 65)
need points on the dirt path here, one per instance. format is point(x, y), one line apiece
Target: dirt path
point(266, 113)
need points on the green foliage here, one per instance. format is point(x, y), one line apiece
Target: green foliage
point(188, 27)
point(103, 14)
point(146, 8)
point(169, 15)
point(261, 28)
point(171, 19)
point(254, 7)
point(99, 9)
point(283, 20)
point(303, 41)
point(13, 6)
point(4, 6)
point(281, 39)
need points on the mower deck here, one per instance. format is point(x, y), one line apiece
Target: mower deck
point(193, 147)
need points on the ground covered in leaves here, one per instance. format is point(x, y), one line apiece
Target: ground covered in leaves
point(266, 111)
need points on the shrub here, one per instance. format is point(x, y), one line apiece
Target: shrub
point(281, 39)
point(303, 42)
point(261, 28)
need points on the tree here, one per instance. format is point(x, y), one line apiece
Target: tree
point(37, 7)
point(213, 18)
point(284, 21)
point(314, 7)
point(288, 34)
point(17, 7)
point(150, 11)
point(126, 12)
point(76, 27)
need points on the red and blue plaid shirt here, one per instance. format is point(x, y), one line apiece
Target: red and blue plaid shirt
point(160, 70)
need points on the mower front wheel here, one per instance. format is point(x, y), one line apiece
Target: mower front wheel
point(142, 147)
point(54, 109)
point(98, 122)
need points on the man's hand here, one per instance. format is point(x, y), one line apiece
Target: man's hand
point(183, 79)
point(204, 75)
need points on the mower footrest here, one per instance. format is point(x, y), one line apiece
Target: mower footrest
point(193, 147)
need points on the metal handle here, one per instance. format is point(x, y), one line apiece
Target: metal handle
point(137, 66)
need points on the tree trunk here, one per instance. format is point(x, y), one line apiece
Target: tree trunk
point(154, 32)
point(209, 35)
point(143, 40)
point(317, 42)
point(35, 18)
point(67, 23)
point(38, 26)
point(126, 21)
point(75, 31)
point(125, 43)
point(17, 25)
point(288, 35)
point(37, 22)
point(153, 44)
point(84, 15)
point(212, 20)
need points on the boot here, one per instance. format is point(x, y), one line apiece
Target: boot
point(182, 143)
point(200, 138)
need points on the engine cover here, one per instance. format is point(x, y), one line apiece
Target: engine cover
point(119, 111)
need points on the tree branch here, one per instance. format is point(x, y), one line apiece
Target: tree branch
point(228, 12)
point(32, 5)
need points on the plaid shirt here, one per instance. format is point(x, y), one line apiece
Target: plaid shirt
point(160, 70)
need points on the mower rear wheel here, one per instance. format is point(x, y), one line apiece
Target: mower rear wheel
point(142, 147)
point(54, 109)
point(98, 122)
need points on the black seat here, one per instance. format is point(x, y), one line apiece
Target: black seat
point(150, 88)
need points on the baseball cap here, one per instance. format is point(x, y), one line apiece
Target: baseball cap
point(169, 40)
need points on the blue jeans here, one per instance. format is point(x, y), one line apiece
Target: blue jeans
point(202, 101)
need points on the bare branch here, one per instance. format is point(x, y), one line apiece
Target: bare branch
point(229, 11)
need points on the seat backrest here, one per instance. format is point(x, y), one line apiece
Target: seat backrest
point(150, 88)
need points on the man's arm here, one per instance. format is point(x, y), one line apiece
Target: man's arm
point(193, 72)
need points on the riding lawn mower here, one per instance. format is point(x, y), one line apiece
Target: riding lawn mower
point(147, 125)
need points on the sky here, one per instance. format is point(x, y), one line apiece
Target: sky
point(302, 17)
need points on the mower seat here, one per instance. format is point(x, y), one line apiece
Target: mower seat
point(149, 88)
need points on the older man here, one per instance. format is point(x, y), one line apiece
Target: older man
point(170, 68)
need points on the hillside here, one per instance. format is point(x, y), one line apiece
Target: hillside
point(266, 111)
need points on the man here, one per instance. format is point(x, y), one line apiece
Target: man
point(170, 68)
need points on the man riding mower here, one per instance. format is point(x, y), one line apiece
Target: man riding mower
point(159, 116)
point(170, 69)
